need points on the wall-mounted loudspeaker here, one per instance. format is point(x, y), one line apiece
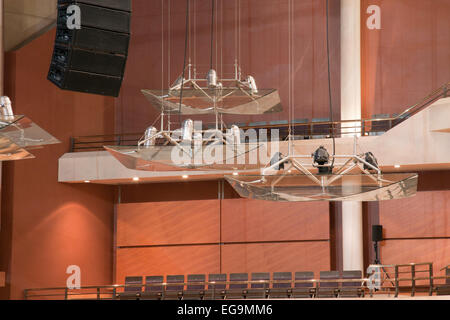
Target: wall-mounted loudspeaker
point(377, 233)
point(92, 57)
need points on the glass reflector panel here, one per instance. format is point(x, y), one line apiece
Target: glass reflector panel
point(300, 187)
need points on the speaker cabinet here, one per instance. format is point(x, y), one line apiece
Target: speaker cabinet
point(377, 233)
point(92, 59)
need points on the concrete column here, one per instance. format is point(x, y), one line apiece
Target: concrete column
point(352, 235)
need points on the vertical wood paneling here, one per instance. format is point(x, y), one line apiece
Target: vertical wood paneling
point(273, 257)
point(405, 60)
point(436, 251)
point(253, 220)
point(166, 260)
point(425, 215)
point(182, 222)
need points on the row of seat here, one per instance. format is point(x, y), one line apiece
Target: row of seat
point(331, 284)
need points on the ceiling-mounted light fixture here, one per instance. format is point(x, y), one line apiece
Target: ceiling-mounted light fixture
point(194, 94)
point(18, 134)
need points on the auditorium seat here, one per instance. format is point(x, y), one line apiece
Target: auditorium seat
point(216, 291)
point(303, 289)
point(281, 286)
point(258, 290)
point(351, 289)
point(174, 287)
point(153, 288)
point(328, 289)
point(237, 290)
point(195, 288)
point(133, 288)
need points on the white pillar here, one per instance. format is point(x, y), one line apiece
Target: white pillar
point(351, 61)
point(352, 235)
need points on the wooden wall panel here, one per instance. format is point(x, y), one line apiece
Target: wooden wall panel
point(52, 225)
point(436, 251)
point(273, 257)
point(253, 220)
point(182, 191)
point(407, 59)
point(167, 260)
point(176, 222)
point(425, 215)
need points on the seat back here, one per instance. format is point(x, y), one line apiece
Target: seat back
point(282, 276)
point(133, 284)
point(304, 275)
point(329, 275)
point(196, 278)
point(351, 274)
point(154, 283)
point(258, 276)
point(237, 277)
point(219, 277)
point(175, 282)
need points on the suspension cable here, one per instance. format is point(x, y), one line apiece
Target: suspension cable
point(185, 56)
point(212, 32)
point(329, 84)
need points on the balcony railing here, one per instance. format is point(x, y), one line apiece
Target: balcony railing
point(418, 277)
point(301, 128)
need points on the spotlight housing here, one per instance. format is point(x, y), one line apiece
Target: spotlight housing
point(370, 158)
point(321, 158)
point(277, 157)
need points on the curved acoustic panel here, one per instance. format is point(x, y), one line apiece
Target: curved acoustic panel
point(18, 134)
point(230, 101)
point(300, 187)
point(173, 158)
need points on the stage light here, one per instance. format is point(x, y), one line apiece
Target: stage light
point(252, 84)
point(87, 181)
point(235, 173)
point(6, 107)
point(184, 176)
point(211, 78)
point(322, 157)
point(135, 178)
point(397, 166)
point(370, 159)
point(277, 157)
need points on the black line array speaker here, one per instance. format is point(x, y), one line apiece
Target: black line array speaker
point(377, 233)
point(92, 58)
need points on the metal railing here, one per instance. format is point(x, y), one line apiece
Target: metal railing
point(417, 275)
point(113, 292)
point(306, 130)
point(412, 273)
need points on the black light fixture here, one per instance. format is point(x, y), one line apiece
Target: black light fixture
point(321, 158)
point(277, 157)
point(370, 158)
